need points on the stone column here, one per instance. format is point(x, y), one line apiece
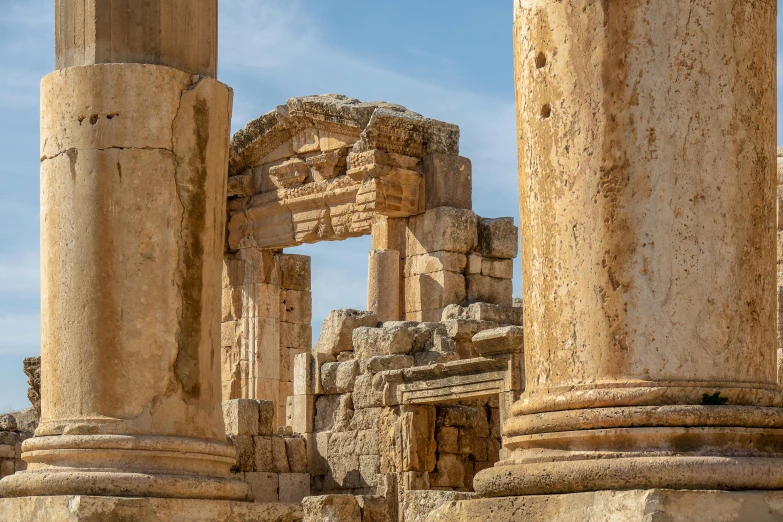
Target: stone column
point(134, 152)
point(647, 193)
point(383, 288)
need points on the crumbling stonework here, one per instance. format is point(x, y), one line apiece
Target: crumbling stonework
point(11, 446)
point(32, 368)
point(401, 406)
point(330, 167)
point(267, 309)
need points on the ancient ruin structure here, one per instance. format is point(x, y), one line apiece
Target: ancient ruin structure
point(644, 385)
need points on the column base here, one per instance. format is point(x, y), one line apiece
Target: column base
point(681, 472)
point(126, 466)
point(649, 505)
point(123, 484)
point(79, 508)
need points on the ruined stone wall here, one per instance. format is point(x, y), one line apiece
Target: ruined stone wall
point(267, 308)
point(272, 461)
point(361, 401)
point(11, 446)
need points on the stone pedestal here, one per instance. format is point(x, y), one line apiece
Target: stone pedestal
point(652, 505)
point(647, 192)
point(81, 508)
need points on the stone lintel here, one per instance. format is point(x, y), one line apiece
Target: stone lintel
point(457, 380)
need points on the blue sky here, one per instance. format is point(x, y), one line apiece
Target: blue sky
point(446, 59)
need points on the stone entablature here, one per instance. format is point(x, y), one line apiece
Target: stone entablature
point(320, 167)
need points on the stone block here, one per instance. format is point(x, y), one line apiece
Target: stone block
point(415, 480)
point(294, 335)
point(241, 417)
point(442, 228)
point(337, 330)
point(294, 272)
point(333, 412)
point(231, 302)
point(389, 233)
point(497, 238)
point(370, 470)
point(426, 316)
point(279, 455)
point(465, 329)
point(498, 268)
point(302, 413)
point(346, 356)
point(294, 487)
point(343, 471)
point(505, 339)
point(7, 452)
point(489, 289)
point(386, 340)
point(339, 377)
point(434, 291)
point(493, 449)
point(435, 262)
point(366, 419)
point(417, 430)
point(228, 333)
point(262, 454)
point(240, 185)
point(296, 451)
point(611, 506)
point(380, 363)
point(367, 442)
point(76, 508)
point(263, 485)
point(267, 332)
point(449, 472)
point(384, 284)
point(342, 443)
point(233, 271)
point(286, 365)
point(303, 369)
point(474, 264)
point(496, 313)
point(447, 438)
point(494, 422)
point(317, 452)
point(7, 467)
point(267, 300)
point(296, 306)
point(10, 438)
point(458, 416)
point(266, 417)
point(331, 508)
point(245, 451)
point(448, 181)
point(368, 392)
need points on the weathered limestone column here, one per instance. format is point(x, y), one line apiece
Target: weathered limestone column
point(133, 190)
point(383, 286)
point(647, 192)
